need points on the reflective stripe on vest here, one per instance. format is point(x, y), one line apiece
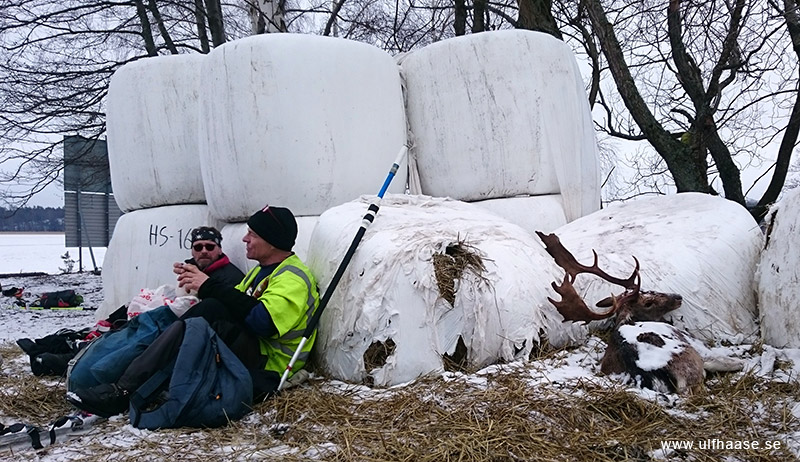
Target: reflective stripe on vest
point(297, 333)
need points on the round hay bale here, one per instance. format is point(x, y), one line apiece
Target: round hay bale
point(500, 114)
point(308, 122)
point(400, 312)
point(531, 213)
point(703, 247)
point(778, 275)
point(152, 117)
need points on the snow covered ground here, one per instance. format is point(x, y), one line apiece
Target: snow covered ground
point(273, 431)
point(33, 252)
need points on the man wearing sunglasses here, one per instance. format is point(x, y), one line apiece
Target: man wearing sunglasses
point(207, 256)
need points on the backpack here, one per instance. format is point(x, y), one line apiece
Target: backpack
point(106, 358)
point(204, 386)
point(60, 299)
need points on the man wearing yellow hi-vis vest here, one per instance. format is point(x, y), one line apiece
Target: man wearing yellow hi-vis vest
point(263, 318)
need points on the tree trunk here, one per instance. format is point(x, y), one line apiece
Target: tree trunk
point(689, 170)
point(147, 31)
point(478, 15)
point(200, 21)
point(267, 16)
point(215, 23)
point(162, 29)
point(537, 15)
point(332, 19)
point(460, 20)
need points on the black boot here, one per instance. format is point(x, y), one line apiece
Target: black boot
point(51, 364)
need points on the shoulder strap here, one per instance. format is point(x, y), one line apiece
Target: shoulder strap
point(144, 393)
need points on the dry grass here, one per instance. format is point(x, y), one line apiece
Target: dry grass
point(449, 266)
point(497, 416)
point(23, 396)
point(435, 420)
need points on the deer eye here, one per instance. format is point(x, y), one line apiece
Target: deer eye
point(648, 304)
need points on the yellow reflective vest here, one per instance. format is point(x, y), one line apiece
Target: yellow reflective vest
point(290, 298)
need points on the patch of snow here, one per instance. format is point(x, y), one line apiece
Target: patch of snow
point(653, 357)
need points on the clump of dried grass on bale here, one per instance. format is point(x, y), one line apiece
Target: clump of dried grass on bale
point(448, 267)
point(25, 397)
point(508, 419)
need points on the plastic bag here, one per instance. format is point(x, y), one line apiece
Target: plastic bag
point(166, 295)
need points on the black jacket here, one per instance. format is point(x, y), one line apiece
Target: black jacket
point(223, 271)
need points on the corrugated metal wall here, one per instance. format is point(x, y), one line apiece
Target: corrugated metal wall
point(90, 211)
point(99, 212)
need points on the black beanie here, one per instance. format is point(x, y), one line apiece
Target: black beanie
point(275, 225)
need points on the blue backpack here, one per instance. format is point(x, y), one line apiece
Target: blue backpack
point(205, 386)
point(107, 357)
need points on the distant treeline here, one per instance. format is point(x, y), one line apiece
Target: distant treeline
point(32, 219)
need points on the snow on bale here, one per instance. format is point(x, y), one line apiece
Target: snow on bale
point(232, 234)
point(143, 248)
point(532, 213)
point(702, 247)
point(304, 121)
point(435, 284)
point(778, 275)
point(152, 118)
point(500, 114)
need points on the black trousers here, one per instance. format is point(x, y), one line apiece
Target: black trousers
point(236, 335)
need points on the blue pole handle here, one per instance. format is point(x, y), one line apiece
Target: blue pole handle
point(393, 170)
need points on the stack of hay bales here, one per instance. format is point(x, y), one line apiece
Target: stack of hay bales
point(299, 121)
point(501, 119)
point(152, 120)
point(778, 275)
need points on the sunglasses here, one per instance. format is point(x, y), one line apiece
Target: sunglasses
point(199, 247)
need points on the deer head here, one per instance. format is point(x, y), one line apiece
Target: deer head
point(631, 305)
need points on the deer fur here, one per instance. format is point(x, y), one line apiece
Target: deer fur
point(642, 345)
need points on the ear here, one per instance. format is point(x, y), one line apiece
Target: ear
point(606, 302)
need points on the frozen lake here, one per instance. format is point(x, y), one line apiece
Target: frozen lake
point(32, 252)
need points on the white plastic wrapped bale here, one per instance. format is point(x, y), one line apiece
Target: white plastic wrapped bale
point(300, 120)
point(389, 308)
point(501, 114)
point(232, 234)
point(778, 275)
point(152, 119)
point(702, 247)
point(143, 248)
point(531, 213)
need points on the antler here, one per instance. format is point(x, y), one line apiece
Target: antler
point(572, 307)
point(566, 260)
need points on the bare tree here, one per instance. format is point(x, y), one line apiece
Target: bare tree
point(56, 60)
point(696, 80)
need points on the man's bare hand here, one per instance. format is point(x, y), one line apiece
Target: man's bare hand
point(190, 278)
